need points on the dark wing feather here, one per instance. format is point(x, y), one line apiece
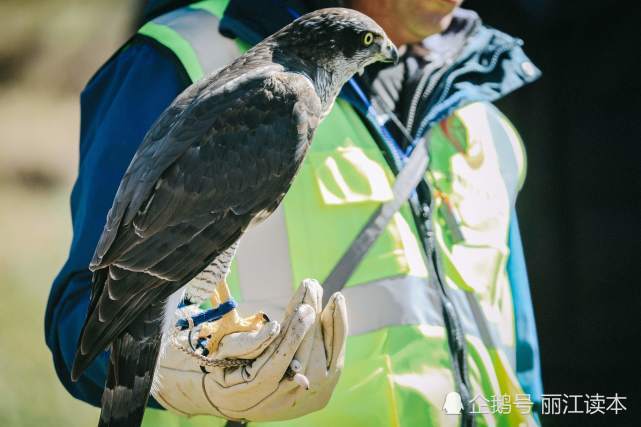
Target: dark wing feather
point(183, 125)
point(131, 371)
point(230, 155)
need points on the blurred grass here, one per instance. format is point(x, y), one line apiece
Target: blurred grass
point(48, 50)
point(35, 232)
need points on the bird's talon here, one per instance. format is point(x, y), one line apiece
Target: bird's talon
point(230, 323)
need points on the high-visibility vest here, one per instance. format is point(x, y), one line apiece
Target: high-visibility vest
point(397, 366)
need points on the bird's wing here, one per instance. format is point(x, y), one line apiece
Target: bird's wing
point(191, 191)
point(211, 151)
point(162, 145)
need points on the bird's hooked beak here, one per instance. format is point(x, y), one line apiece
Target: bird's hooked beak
point(389, 52)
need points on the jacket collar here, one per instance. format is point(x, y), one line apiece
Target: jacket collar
point(252, 21)
point(469, 62)
point(154, 8)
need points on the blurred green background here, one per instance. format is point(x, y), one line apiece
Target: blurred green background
point(48, 51)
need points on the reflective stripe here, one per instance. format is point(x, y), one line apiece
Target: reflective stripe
point(264, 270)
point(405, 300)
point(174, 42)
point(199, 29)
point(395, 301)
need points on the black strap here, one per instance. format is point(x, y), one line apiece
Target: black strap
point(406, 182)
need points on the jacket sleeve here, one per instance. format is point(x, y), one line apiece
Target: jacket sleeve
point(118, 106)
point(528, 363)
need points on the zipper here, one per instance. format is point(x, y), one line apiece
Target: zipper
point(416, 97)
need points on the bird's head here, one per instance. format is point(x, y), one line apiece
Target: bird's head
point(332, 45)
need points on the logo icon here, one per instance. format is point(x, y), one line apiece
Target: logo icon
point(453, 404)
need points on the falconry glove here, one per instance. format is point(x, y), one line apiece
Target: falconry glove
point(294, 369)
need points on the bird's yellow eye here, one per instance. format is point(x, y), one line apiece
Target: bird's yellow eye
point(368, 39)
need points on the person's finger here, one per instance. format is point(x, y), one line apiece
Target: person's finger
point(292, 313)
point(273, 362)
point(296, 300)
point(314, 294)
point(247, 345)
point(309, 345)
point(301, 323)
point(335, 328)
point(308, 293)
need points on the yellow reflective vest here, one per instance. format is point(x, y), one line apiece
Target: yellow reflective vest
point(398, 370)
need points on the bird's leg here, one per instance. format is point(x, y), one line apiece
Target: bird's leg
point(230, 322)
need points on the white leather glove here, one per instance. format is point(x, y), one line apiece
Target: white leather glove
point(311, 340)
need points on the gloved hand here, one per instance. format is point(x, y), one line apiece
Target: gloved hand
point(311, 340)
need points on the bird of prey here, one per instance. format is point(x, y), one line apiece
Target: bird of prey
point(219, 159)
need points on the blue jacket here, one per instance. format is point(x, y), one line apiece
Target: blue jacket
point(121, 102)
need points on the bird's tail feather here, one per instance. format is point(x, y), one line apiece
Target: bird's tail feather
point(131, 371)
